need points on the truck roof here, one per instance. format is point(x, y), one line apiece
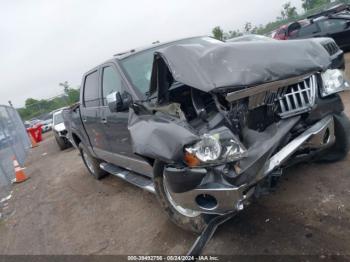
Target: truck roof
point(156, 44)
point(131, 52)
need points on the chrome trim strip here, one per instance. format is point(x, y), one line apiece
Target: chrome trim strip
point(233, 198)
point(289, 102)
point(228, 199)
point(272, 86)
point(281, 156)
point(123, 174)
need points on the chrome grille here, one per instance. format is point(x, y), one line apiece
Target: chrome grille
point(297, 98)
point(331, 47)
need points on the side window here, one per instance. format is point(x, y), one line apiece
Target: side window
point(308, 30)
point(91, 97)
point(111, 82)
point(333, 25)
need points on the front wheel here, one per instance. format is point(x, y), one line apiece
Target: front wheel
point(187, 219)
point(342, 140)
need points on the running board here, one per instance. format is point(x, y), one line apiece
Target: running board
point(129, 176)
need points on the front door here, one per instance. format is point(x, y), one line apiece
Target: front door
point(115, 125)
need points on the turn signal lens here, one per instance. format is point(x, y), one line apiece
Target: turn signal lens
point(191, 160)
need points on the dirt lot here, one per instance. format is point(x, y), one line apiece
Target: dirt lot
point(62, 210)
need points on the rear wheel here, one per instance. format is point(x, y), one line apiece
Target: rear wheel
point(342, 140)
point(92, 164)
point(187, 219)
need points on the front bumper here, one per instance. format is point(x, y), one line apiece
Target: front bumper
point(212, 188)
point(62, 134)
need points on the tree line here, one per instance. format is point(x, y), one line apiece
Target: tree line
point(288, 14)
point(35, 108)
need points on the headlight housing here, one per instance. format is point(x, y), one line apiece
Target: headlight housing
point(219, 146)
point(333, 82)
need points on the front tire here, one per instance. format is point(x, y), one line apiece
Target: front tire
point(342, 143)
point(92, 164)
point(192, 222)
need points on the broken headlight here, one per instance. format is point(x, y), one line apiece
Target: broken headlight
point(219, 146)
point(333, 82)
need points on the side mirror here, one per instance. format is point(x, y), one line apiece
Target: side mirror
point(118, 102)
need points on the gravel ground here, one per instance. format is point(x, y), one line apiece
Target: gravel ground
point(62, 210)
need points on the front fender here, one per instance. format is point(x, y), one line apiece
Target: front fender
point(160, 136)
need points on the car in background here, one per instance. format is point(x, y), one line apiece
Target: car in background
point(33, 122)
point(334, 23)
point(60, 130)
point(46, 125)
point(249, 38)
point(27, 124)
point(337, 55)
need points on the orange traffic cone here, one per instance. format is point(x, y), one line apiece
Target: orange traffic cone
point(20, 176)
point(34, 143)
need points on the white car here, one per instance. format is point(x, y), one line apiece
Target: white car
point(46, 125)
point(60, 130)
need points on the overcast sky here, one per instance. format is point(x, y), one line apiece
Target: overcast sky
point(43, 43)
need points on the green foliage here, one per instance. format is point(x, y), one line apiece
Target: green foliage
point(288, 14)
point(65, 86)
point(31, 101)
point(73, 95)
point(231, 34)
point(311, 4)
point(218, 33)
point(289, 11)
point(36, 108)
point(248, 27)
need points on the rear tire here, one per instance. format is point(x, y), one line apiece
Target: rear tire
point(194, 224)
point(342, 143)
point(92, 164)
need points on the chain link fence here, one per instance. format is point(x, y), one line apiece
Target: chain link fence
point(14, 142)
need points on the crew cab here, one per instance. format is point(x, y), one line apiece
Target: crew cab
point(207, 126)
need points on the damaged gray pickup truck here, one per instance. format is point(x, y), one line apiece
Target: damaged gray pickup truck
point(208, 126)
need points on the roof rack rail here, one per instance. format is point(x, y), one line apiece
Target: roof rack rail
point(119, 54)
point(126, 52)
point(331, 11)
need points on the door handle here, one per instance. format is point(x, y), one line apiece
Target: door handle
point(84, 120)
point(104, 120)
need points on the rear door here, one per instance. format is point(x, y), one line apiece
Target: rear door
point(91, 111)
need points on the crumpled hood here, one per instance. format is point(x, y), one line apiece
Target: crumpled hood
point(241, 64)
